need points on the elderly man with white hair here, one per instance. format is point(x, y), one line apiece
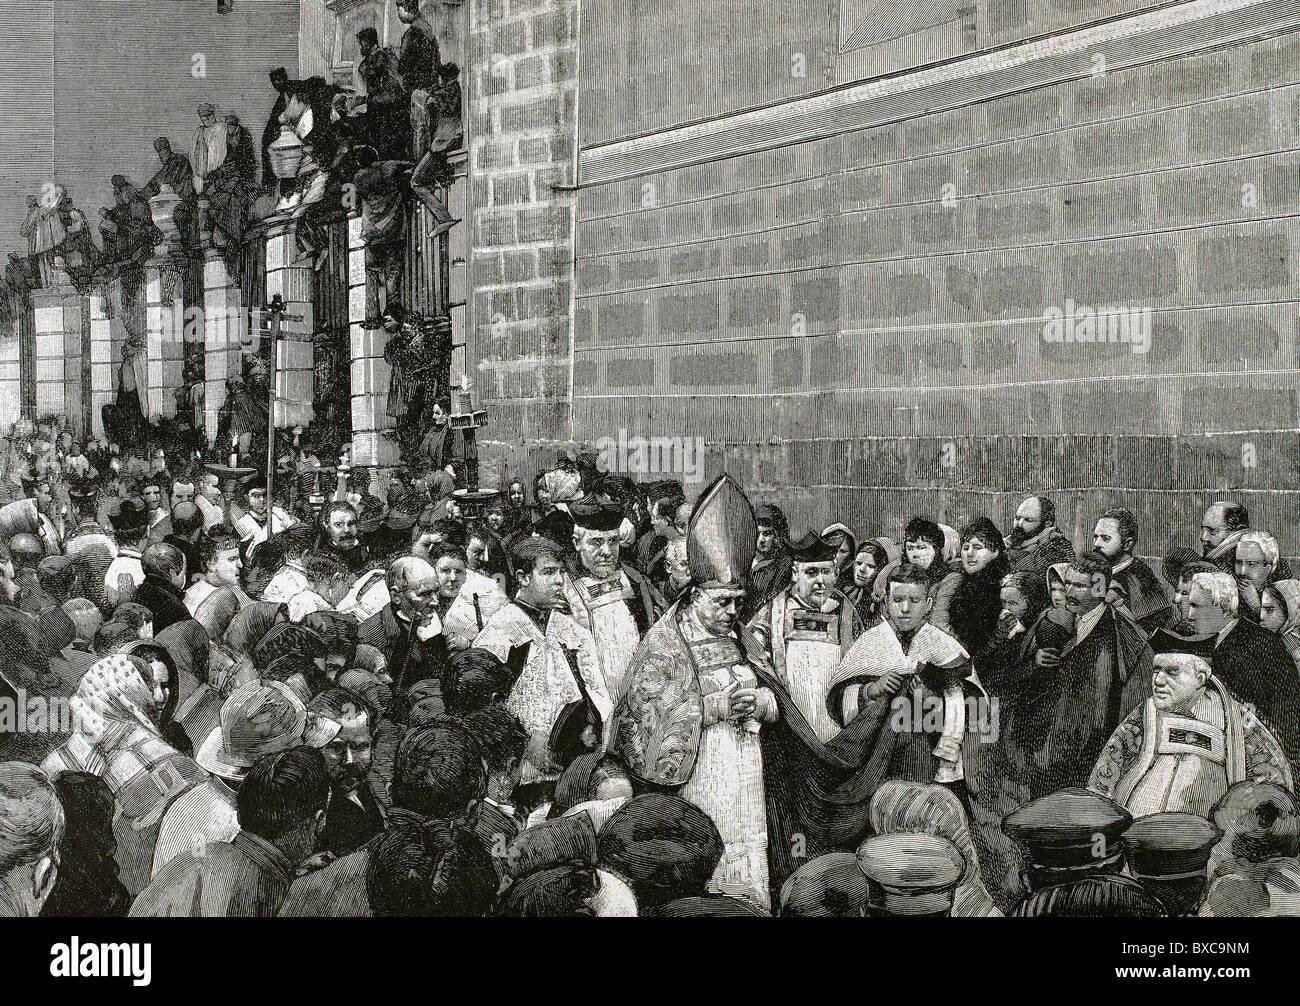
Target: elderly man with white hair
point(1250, 661)
point(1258, 563)
point(1186, 745)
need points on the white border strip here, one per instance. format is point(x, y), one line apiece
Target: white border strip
point(1143, 38)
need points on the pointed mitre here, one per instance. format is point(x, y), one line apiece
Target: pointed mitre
point(720, 536)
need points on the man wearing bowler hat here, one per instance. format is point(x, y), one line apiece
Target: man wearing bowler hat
point(130, 527)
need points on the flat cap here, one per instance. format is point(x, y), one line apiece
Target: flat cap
point(1170, 846)
point(910, 873)
point(1072, 827)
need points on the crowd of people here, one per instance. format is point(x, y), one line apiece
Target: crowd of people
point(585, 695)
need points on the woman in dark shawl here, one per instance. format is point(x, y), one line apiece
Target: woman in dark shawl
point(968, 604)
point(846, 547)
point(172, 732)
point(188, 645)
point(1024, 599)
point(869, 559)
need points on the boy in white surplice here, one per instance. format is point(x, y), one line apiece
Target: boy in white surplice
point(546, 684)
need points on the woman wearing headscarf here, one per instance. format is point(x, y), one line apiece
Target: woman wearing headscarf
point(846, 544)
point(967, 605)
point(1279, 612)
point(868, 560)
point(1024, 600)
point(1056, 584)
point(923, 547)
point(927, 808)
point(154, 653)
point(116, 711)
point(187, 644)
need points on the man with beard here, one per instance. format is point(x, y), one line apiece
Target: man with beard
point(338, 536)
point(354, 814)
point(1067, 712)
point(548, 682)
point(1035, 542)
point(1186, 745)
point(385, 123)
point(807, 629)
point(252, 519)
point(1253, 662)
point(1135, 585)
point(1221, 528)
point(437, 774)
point(612, 601)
